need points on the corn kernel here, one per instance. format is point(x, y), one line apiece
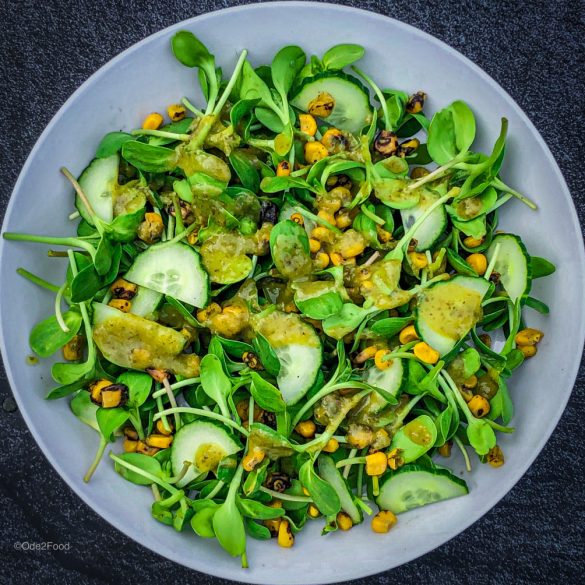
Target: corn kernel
point(285, 536)
point(395, 459)
point(495, 456)
point(307, 124)
point(152, 121)
point(130, 446)
point(380, 362)
point(528, 336)
point(343, 220)
point(176, 112)
point(445, 449)
point(336, 258)
point(479, 406)
point(366, 354)
point(407, 335)
point(95, 390)
point(344, 522)
point(314, 245)
point(478, 262)
point(73, 349)
point(321, 260)
point(160, 427)
point(313, 511)
point(419, 173)
point(418, 260)
point(314, 152)
point(383, 521)
point(528, 351)
point(298, 218)
point(159, 441)
point(306, 429)
point(471, 242)
point(471, 382)
point(283, 169)
point(376, 463)
point(331, 446)
point(252, 459)
point(328, 217)
point(425, 353)
point(121, 304)
point(322, 105)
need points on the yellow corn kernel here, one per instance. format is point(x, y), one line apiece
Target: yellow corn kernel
point(471, 242)
point(298, 218)
point(418, 260)
point(95, 389)
point(353, 249)
point(73, 349)
point(112, 396)
point(343, 220)
point(307, 124)
point(344, 522)
point(376, 463)
point(314, 245)
point(479, 406)
point(160, 441)
point(528, 336)
point(336, 258)
point(313, 511)
point(366, 354)
point(315, 151)
point(152, 121)
point(145, 449)
point(445, 449)
point(160, 427)
point(252, 459)
point(379, 360)
point(408, 147)
point(495, 456)
point(395, 459)
point(206, 314)
point(176, 112)
point(321, 260)
point(285, 536)
point(419, 173)
point(321, 234)
point(283, 169)
point(331, 138)
point(121, 304)
point(322, 105)
point(130, 446)
point(331, 446)
point(383, 235)
point(528, 351)
point(130, 433)
point(471, 382)
point(383, 521)
point(415, 102)
point(478, 262)
point(425, 353)
point(122, 289)
point(328, 217)
point(408, 334)
point(306, 429)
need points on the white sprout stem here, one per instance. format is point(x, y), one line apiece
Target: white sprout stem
point(192, 108)
point(215, 490)
point(372, 259)
point(74, 215)
point(161, 134)
point(285, 497)
point(173, 401)
point(58, 314)
point(461, 446)
point(204, 413)
point(226, 92)
point(493, 261)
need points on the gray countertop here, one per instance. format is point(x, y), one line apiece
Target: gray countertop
point(535, 50)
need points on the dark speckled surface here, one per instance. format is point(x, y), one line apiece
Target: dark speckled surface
point(535, 50)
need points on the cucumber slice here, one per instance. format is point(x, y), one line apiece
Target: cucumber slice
point(389, 379)
point(415, 438)
point(145, 303)
point(413, 486)
point(298, 349)
point(432, 227)
point(448, 310)
point(512, 264)
point(204, 445)
point(330, 474)
point(173, 270)
point(98, 182)
point(352, 109)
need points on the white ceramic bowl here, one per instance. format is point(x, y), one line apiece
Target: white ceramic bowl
point(146, 77)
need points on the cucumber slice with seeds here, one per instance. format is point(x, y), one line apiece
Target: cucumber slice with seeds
point(513, 264)
point(389, 379)
point(173, 270)
point(352, 109)
point(413, 486)
point(98, 182)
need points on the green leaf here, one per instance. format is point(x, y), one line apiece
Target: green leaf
point(111, 143)
point(541, 267)
point(215, 382)
point(537, 305)
point(390, 326)
point(139, 386)
point(245, 170)
point(148, 464)
point(341, 56)
point(451, 132)
point(257, 511)
point(267, 355)
point(47, 336)
point(86, 284)
point(324, 496)
point(148, 158)
point(103, 257)
point(257, 531)
point(110, 420)
point(265, 394)
point(289, 246)
point(286, 65)
point(202, 521)
point(481, 436)
point(84, 409)
point(190, 51)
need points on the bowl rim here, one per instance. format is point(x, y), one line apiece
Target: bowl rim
point(518, 472)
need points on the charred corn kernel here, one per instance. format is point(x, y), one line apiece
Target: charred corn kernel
point(528, 351)
point(376, 463)
point(176, 112)
point(478, 262)
point(306, 429)
point(145, 449)
point(95, 390)
point(343, 521)
point(383, 521)
point(159, 441)
point(206, 314)
point(479, 406)
point(383, 235)
point(366, 354)
point(471, 242)
point(343, 220)
point(130, 446)
point(528, 336)
point(380, 362)
point(130, 433)
point(322, 105)
point(151, 228)
point(495, 456)
point(298, 218)
point(395, 459)
point(331, 446)
point(328, 217)
point(419, 173)
point(321, 260)
point(313, 511)
point(160, 427)
point(418, 260)
point(407, 335)
point(322, 234)
point(415, 102)
point(466, 393)
point(152, 121)
point(445, 450)
point(336, 258)
point(308, 124)
point(471, 382)
point(386, 143)
point(73, 349)
point(314, 245)
point(122, 289)
point(273, 525)
point(252, 360)
point(285, 536)
point(112, 396)
point(121, 304)
point(408, 147)
point(486, 339)
point(333, 138)
point(252, 459)
point(315, 151)
point(425, 353)
point(283, 169)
